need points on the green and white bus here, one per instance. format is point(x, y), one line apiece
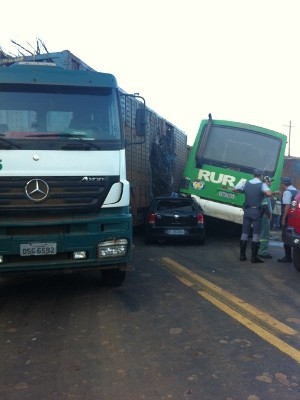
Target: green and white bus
point(225, 152)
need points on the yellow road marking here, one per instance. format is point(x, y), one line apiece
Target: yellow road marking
point(210, 291)
point(264, 334)
point(208, 286)
point(184, 281)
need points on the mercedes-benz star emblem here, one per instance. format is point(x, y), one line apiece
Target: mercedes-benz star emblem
point(37, 190)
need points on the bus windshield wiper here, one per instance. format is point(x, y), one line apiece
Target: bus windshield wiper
point(79, 137)
point(7, 144)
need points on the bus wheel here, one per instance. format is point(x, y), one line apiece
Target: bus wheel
point(296, 258)
point(113, 277)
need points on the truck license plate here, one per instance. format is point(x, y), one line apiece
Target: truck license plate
point(37, 249)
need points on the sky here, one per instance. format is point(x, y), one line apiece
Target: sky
point(236, 59)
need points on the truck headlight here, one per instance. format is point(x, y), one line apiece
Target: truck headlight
point(112, 248)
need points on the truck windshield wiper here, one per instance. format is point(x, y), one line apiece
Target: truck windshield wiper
point(7, 144)
point(79, 137)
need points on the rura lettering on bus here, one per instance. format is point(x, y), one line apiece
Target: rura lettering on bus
point(215, 177)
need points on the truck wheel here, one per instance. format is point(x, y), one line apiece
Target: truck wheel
point(296, 258)
point(113, 277)
point(148, 239)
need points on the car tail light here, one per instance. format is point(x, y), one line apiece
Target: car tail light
point(200, 219)
point(151, 219)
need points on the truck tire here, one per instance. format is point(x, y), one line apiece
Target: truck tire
point(201, 241)
point(113, 277)
point(148, 240)
point(296, 258)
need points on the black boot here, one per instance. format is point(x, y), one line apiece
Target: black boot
point(254, 258)
point(243, 245)
point(288, 255)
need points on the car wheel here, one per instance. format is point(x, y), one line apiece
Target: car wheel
point(113, 277)
point(202, 239)
point(296, 258)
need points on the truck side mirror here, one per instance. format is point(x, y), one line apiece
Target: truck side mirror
point(140, 122)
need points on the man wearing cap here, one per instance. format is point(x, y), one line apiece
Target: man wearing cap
point(289, 192)
point(263, 251)
point(254, 191)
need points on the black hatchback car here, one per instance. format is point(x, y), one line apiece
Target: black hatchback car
point(170, 218)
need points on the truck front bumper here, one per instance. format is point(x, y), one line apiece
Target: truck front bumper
point(102, 243)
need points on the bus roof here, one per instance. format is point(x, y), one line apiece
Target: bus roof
point(242, 125)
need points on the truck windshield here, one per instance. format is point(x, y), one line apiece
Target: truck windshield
point(48, 117)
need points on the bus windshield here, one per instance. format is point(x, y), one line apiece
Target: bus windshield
point(231, 147)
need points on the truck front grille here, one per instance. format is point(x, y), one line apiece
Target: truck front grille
point(73, 194)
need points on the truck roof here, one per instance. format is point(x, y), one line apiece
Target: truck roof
point(45, 74)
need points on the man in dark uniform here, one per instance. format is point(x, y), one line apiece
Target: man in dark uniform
point(289, 192)
point(254, 191)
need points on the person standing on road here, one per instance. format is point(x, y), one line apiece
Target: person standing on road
point(254, 191)
point(276, 214)
point(289, 192)
point(263, 251)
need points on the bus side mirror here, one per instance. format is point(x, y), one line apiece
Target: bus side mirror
point(140, 122)
point(199, 162)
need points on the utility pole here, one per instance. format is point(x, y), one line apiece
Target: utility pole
point(290, 126)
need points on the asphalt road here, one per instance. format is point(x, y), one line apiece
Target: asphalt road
point(190, 322)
